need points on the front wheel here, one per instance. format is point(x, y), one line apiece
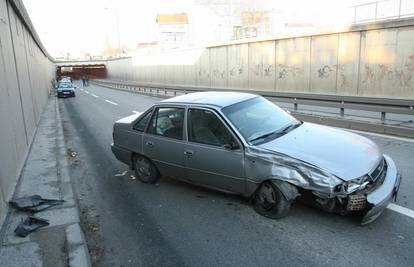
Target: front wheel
point(269, 201)
point(145, 170)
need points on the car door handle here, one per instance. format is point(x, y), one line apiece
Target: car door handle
point(149, 143)
point(188, 153)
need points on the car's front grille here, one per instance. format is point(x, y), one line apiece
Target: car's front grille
point(357, 201)
point(377, 176)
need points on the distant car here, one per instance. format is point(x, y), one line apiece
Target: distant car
point(65, 89)
point(244, 144)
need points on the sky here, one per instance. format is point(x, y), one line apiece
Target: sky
point(86, 26)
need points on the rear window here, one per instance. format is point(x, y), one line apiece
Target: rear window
point(140, 125)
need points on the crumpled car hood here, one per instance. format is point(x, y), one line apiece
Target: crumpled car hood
point(344, 154)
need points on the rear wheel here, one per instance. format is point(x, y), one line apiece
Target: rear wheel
point(270, 202)
point(145, 170)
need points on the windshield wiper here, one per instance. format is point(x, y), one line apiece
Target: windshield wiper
point(278, 133)
point(290, 127)
point(263, 136)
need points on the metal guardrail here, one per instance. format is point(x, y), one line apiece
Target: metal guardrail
point(380, 105)
point(383, 10)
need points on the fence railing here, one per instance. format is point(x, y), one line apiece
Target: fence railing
point(383, 10)
point(383, 106)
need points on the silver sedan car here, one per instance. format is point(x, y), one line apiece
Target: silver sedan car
point(245, 144)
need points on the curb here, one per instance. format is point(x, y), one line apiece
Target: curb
point(77, 247)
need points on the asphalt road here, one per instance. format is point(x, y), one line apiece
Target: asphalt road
point(128, 223)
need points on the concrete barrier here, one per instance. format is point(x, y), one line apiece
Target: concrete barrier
point(26, 71)
point(374, 60)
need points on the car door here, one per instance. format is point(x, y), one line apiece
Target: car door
point(163, 141)
point(213, 155)
point(138, 129)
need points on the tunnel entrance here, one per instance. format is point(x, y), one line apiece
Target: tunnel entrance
point(76, 72)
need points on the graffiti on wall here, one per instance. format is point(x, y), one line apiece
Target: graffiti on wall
point(401, 75)
point(288, 71)
point(342, 78)
point(263, 70)
point(236, 71)
point(203, 73)
point(219, 74)
point(324, 71)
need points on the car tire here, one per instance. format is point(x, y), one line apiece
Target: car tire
point(145, 170)
point(270, 202)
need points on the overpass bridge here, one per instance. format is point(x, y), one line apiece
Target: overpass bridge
point(360, 78)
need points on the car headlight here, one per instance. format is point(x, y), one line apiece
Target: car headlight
point(356, 184)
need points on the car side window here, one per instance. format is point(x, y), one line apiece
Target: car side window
point(168, 122)
point(206, 128)
point(140, 125)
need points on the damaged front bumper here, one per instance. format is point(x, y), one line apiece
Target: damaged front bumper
point(382, 196)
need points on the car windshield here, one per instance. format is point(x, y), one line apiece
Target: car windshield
point(65, 85)
point(258, 119)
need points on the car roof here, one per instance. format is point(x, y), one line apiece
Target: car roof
point(213, 98)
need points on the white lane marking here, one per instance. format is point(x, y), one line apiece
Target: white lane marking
point(381, 135)
point(110, 102)
point(95, 95)
point(87, 92)
point(81, 89)
point(402, 210)
point(136, 112)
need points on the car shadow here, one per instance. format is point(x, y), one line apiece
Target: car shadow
point(299, 209)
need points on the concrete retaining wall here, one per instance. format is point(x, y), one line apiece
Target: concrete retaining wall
point(366, 60)
point(26, 71)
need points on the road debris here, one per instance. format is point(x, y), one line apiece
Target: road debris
point(121, 174)
point(72, 153)
point(34, 203)
point(133, 177)
point(30, 224)
point(94, 227)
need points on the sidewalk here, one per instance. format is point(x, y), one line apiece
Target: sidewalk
point(46, 173)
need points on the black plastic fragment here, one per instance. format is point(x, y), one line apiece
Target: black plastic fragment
point(34, 203)
point(30, 224)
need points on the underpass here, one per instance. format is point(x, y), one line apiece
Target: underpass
point(173, 223)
